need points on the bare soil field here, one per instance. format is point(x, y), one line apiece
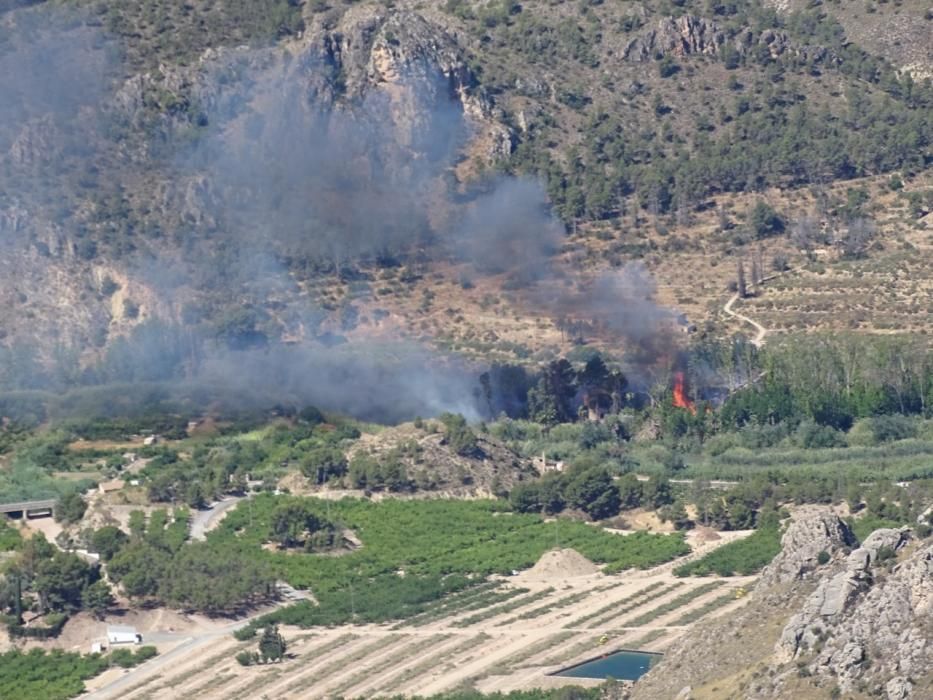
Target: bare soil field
point(562, 611)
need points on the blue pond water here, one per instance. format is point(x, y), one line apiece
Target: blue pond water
point(621, 665)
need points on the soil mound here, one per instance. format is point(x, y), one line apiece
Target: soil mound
point(560, 564)
point(707, 534)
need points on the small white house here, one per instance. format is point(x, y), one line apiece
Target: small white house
point(121, 634)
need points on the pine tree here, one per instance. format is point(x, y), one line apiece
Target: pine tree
point(97, 598)
point(272, 645)
point(740, 281)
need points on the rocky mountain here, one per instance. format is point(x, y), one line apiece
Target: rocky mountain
point(829, 618)
point(249, 173)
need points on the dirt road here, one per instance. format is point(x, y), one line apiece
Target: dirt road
point(759, 338)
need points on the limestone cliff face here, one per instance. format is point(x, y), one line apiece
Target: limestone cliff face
point(813, 531)
point(856, 626)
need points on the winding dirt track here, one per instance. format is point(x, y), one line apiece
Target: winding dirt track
point(759, 338)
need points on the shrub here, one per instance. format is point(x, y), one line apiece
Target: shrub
point(892, 427)
point(823, 558)
point(458, 435)
point(10, 538)
point(246, 658)
point(70, 508)
point(811, 435)
point(245, 633)
point(765, 221)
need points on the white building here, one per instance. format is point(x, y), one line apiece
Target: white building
point(121, 634)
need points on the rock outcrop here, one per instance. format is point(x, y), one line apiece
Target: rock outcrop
point(835, 595)
point(813, 531)
point(679, 36)
point(867, 627)
point(858, 623)
point(691, 35)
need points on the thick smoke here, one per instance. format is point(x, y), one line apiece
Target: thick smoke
point(289, 171)
point(48, 70)
point(620, 303)
point(278, 171)
point(53, 73)
point(510, 229)
point(387, 382)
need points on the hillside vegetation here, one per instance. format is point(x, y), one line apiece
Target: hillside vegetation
point(688, 134)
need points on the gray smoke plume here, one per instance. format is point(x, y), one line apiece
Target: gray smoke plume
point(276, 178)
point(50, 67)
point(53, 73)
point(622, 304)
point(386, 382)
point(510, 229)
point(292, 172)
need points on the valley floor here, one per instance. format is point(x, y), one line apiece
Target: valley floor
point(554, 622)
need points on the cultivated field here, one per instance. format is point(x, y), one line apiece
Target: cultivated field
point(509, 633)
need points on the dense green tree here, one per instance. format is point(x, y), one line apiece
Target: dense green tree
point(272, 644)
point(593, 492)
point(213, 579)
point(292, 522)
point(60, 581)
point(764, 220)
point(630, 491)
point(550, 401)
point(656, 492)
point(526, 498)
point(457, 434)
point(97, 598)
point(323, 463)
point(70, 508)
point(139, 567)
point(107, 541)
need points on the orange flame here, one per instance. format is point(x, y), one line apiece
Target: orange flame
point(680, 396)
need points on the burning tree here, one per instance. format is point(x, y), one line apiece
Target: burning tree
point(680, 394)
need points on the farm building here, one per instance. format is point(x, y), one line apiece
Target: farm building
point(110, 486)
point(122, 634)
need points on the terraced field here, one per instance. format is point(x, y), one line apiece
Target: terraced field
point(509, 634)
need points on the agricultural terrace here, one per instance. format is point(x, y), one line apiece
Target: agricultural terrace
point(415, 552)
point(503, 635)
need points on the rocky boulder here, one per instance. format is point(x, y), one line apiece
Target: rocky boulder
point(690, 35)
point(678, 37)
point(836, 595)
point(811, 532)
point(882, 643)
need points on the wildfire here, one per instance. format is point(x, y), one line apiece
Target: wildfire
point(680, 396)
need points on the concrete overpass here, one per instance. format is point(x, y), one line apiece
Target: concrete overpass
point(30, 509)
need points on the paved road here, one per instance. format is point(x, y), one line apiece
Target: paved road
point(206, 520)
point(190, 646)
